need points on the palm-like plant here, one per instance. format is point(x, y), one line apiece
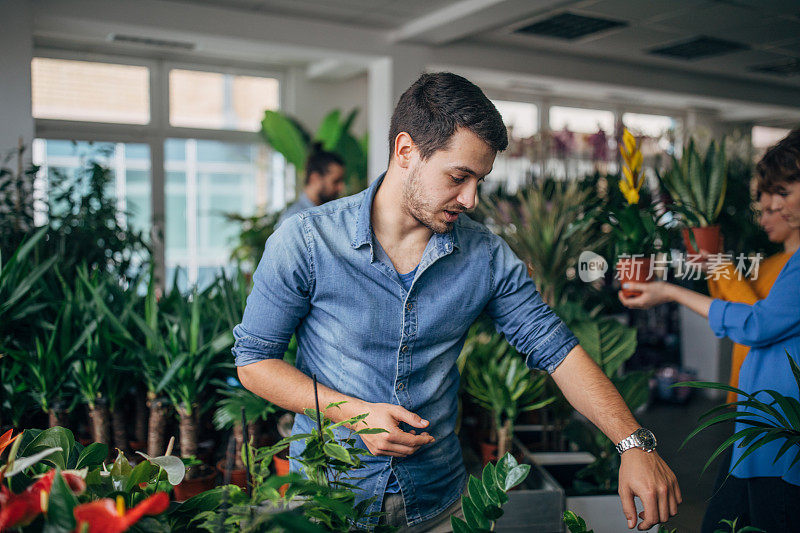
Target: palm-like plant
point(20, 288)
point(547, 228)
point(187, 343)
point(764, 421)
point(497, 377)
point(698, 184)
point(229, 415)
point(46, 367)
point(286, 136)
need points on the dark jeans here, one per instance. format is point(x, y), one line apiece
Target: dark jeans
point(768, 503)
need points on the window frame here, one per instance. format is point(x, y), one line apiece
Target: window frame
point(158, 130)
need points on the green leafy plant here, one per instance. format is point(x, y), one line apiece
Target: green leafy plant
point(764, 421)
point(483, 503)
point(698, 184)
point(228, 415)
point(610, 344)
point(497, 377)
point(287, 137)
point(253, 234)
point(575, 523)
point(21, 292)
point(734, 528)
point(547, 226)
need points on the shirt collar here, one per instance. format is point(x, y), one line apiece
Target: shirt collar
point(445, 242)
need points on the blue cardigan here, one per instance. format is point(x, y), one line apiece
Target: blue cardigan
point(771, 327)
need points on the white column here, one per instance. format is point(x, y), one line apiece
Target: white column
point(16, 42)
point(389, 77)
point(379, 115)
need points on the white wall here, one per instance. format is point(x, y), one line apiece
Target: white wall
point(16, 49)
point(313, 99)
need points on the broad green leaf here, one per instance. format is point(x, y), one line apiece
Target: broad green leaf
point(22, 463)
point(93, 455)
point(285, 138)
point(472, 514)
point(516, 476)
point(61, 503)
point(171, 464)
point(337, 452)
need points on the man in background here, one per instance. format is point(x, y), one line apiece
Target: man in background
point(324, 182)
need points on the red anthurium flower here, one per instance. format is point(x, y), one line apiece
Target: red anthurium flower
point(20, 509)
point(6, 440)
point(104, 516)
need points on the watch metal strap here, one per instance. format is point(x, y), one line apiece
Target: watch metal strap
point(627, 443)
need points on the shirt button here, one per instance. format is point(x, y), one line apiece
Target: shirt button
point(404, 348)
point(400, 386)
point(409, 306)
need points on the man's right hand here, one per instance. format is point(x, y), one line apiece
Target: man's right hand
point(395, 443)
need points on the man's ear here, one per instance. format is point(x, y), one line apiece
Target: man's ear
point(404, 151)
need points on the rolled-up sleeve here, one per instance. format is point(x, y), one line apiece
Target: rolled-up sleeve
point(522, 316)
point(282, 285)
point(768, 321)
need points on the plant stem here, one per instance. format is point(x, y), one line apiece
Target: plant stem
point(158, 422)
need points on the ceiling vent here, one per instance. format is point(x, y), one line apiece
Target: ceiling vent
point(147, 41)
point(785, 67)
point(699, 47)
point(569, 26)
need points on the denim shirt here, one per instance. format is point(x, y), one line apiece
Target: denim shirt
point(771, 327)
point(364, 335)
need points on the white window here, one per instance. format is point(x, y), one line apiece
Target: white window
point(179, 138)
point(88, 91)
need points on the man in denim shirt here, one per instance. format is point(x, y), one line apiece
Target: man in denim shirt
point(381, 289)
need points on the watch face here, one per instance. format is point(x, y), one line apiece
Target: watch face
point(646, 439)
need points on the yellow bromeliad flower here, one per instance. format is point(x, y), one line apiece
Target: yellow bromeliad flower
point(632, 175)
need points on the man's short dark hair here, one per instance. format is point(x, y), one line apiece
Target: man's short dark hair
point(319, 160)
point(781, 164)
point(436, 105)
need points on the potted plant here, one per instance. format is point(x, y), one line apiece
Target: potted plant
point(548, 226)
point(289, 138)
point(636, 230)
point(237, 403)
point(697, 186)
point(497, 378)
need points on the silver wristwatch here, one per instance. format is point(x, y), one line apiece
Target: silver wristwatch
point(641, 438)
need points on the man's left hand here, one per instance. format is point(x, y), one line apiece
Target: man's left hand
point(647, 476)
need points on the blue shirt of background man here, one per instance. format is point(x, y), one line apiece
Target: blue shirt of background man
point(771, 327)
point(363, 334)
point(302, 203)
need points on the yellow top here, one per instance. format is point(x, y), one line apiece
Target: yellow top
point(747, 291)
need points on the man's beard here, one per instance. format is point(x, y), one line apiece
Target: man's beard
point(417, 205)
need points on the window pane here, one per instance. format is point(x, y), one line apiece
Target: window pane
point(98, 92)
point(521, 119)
point(129, 168)
point(219, 101)
point(205, 180)
point(581, 120)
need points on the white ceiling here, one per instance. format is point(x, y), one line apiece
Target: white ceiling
point(769, 28)
point(379, 14)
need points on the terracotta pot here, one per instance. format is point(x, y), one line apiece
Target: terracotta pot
point(707, 238)
point(137, 445)
point(281, 469)
point(635, 269)
point(488, 453)
point(238, 477)
point(192, 487)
